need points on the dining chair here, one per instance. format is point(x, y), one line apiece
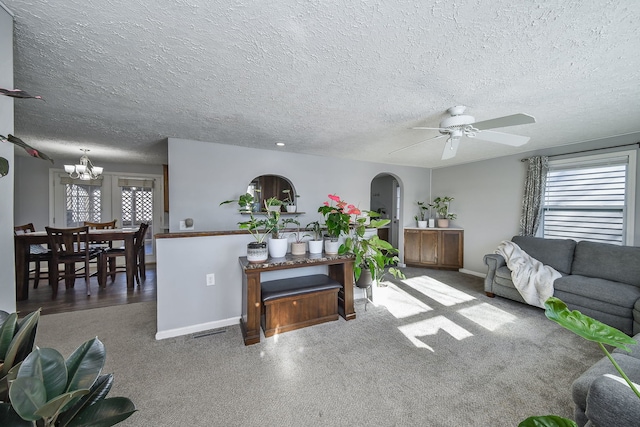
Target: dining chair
point(101, 245)
point(70, 246)
point(106, 259)
point(37, 253)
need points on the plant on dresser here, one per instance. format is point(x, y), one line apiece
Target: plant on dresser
point(258, 228)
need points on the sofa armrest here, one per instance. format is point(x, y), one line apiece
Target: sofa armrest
point(612, 403)
point(493, 261)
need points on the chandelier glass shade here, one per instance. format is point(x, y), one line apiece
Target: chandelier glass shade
point(85, 170)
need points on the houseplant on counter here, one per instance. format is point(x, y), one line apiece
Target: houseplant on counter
point(290, 200)
point(373, 255)
point(298, 246)
point(278, 242)
point(337, 215)
point(441, 205)
point(423, 213)
point(315, 244)
point(257, 251)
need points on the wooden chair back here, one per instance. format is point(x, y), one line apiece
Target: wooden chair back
point(109, 225)
point(68, 242)
point(24, 229)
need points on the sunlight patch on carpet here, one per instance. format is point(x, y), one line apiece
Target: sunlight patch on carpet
point(487, 316)
point(399, 303)
point(438, 291)
point(415, 331)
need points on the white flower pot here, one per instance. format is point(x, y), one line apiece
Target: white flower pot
point(278, 247)
point(292, 208)
point(331, 247)
point(422, 224)
point(273, 208)
point(315, 246)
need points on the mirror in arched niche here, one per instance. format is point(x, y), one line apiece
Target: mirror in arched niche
point(264, 187)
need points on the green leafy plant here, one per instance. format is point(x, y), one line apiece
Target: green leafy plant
point(17, 338)
point(290, 199)
point(316, 230)
point(273, 201)
point(259, 228)
point(44, 389)
point(591, 330)
point(371, 252)
point(441, 205)
point(423, 211)
point(297, 234)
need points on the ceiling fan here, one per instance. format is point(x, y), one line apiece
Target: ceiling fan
point(459, 124)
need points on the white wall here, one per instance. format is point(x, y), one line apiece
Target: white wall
point(488, 197)
point(201, 175)
point(7, 271)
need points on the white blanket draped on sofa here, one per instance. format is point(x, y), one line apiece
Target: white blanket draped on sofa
point(533, 279)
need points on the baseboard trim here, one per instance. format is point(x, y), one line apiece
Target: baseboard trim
point(472, 273)
point(192, 329)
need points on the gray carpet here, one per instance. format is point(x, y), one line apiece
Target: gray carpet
point(463, 360)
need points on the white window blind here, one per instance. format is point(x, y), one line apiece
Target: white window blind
point(587, 199)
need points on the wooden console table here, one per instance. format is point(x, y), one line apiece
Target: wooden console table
point(340, 270)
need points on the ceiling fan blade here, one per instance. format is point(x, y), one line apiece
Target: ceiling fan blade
point(502, 138)
point(450, 148)
point(417, 143)
point(501, 122)
point(423, 127)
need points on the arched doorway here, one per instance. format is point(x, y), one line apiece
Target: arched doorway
point(386, 199)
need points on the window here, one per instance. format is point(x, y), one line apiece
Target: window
point(83, 203)
point(590, 198)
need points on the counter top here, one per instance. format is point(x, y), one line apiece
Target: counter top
point(293, 260)
point(433, 228)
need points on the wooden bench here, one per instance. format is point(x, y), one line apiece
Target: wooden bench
point(298, 302)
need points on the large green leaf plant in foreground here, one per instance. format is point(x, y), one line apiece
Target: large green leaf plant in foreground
point(591, 330)
point(44, 389)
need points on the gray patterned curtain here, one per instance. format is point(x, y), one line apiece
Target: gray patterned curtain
point(533, 194)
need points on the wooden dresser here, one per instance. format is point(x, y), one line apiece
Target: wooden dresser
point(441, 248)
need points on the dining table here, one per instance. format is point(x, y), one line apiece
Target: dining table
point(24, 241)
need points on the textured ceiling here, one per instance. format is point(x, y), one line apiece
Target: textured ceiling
point(326, 77)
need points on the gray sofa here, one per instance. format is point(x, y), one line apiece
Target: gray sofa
point(598, 279)
point(603, 401)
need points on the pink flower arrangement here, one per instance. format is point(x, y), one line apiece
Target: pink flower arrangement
point(337, 215)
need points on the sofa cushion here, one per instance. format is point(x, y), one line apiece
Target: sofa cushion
point(612, 262)
point(601, 291)
point(557, 253)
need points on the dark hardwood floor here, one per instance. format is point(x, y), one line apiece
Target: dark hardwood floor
point(74, 299)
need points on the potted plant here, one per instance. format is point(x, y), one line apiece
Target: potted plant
point(47, 390)
point(257, 251)
point(373, 255)
point(337, 215)
point(423, 214)
point(315, 244)
point(441, 205)
point(290, 200)
point(298, 246)
point(278, 243)
point(273, 204)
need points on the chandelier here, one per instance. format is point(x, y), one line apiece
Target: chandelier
point(85, 170)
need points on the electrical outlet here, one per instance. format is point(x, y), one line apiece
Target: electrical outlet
point(211, 279)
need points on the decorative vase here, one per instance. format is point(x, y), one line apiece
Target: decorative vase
point(422, 224)
point(257, 252)
point(315, 246)
point(278, 247)
point(365, 280)
point(331, 245)
point(443, 223)
point(298, 248)
point(291, 208)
